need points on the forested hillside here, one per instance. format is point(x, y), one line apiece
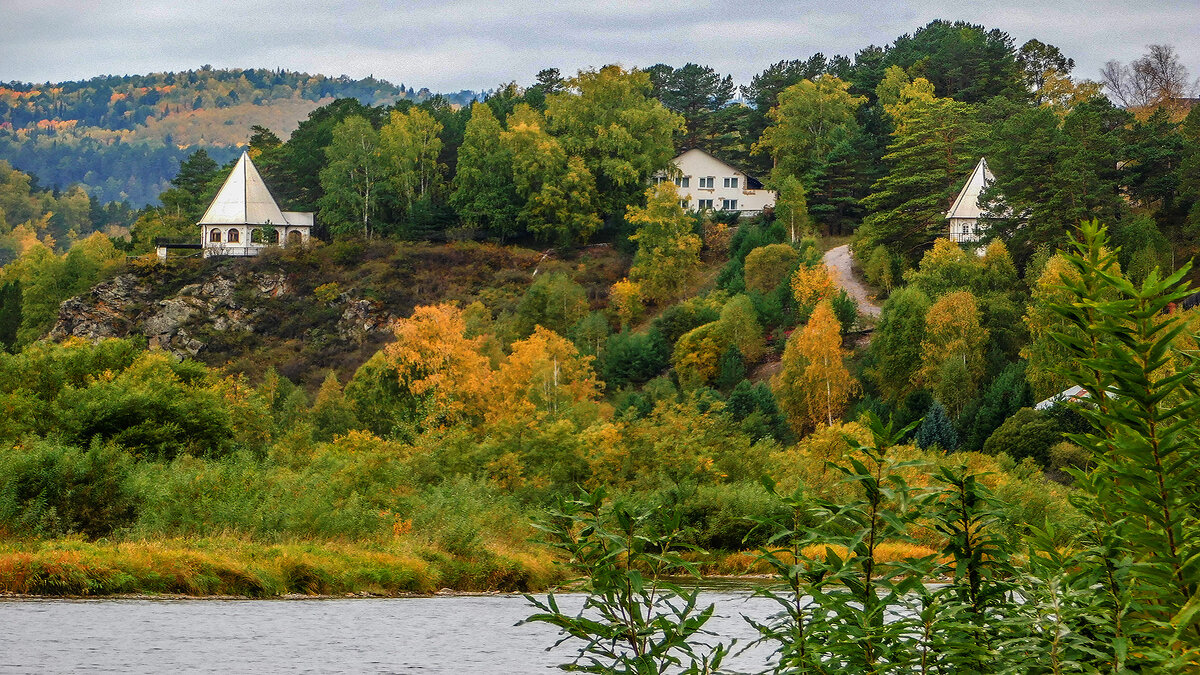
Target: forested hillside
point(122, 137)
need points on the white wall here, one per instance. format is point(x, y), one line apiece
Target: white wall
point(697, 164)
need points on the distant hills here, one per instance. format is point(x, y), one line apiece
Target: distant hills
point(122, 137)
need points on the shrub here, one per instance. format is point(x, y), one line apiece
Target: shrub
point(1028, 433)
point(52, 490)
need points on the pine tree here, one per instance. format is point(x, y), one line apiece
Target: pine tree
point(931, 154)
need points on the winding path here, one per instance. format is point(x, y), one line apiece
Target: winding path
point(838, 259)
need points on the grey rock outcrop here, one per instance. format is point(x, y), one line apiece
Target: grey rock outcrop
point(128, 305)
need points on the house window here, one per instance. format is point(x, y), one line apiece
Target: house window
point(707, 181)
point(704, 203)
point(215, 236)
point(683, 182)
point(966, 229)
point(683, 203)
point(729, 204)
point(731, 182)
point(233, 237)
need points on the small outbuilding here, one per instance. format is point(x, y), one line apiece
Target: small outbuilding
point(244, 218)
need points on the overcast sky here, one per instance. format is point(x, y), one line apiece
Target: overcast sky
point(473, 44)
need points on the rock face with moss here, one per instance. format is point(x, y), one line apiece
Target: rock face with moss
point(225, 300)
point(304, 311)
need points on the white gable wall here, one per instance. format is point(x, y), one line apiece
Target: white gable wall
point(728, 189)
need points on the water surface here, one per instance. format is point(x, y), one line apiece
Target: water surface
point(455, 634)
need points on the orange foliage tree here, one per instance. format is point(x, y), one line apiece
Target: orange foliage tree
point(444, 371)
point(545, 374)
point(813, 386)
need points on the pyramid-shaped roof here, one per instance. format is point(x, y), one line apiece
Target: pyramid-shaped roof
point(967, 204)
point(243, 200)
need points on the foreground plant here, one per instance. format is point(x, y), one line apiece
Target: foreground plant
point(848, 613)
point(1144, 493)
point(634, 620)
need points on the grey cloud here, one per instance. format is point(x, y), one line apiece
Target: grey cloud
point(476, 44)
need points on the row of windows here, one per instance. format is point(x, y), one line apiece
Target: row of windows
point(705, 181)
point(259, 235)
point(707, 204)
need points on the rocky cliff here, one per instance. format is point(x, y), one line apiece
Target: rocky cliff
point(301, 312)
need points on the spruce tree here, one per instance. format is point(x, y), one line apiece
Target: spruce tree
point(937, 429)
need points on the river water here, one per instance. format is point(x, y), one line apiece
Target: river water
point(452, 634)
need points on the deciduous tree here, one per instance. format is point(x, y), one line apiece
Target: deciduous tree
point(352, 178)
point(607, 118)
point(813, 386)
point(952, 352)
point(668, 253)
point(485, 195)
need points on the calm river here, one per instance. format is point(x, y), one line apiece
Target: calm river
point(404, 635)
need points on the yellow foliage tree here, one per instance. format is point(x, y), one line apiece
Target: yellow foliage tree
point(813, 387)
point(1044, 354)
point(739, 326)
point(445, 371)
point(952, 352)
point(668, 253)
point(767, 266)
point(811, 285)
point(697, 354)
point(626, 300)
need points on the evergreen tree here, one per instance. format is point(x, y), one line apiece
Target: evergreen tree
point(937, 429)
point(931, 154)
point(1052, 173)
point(10, 314)
point(731, 369)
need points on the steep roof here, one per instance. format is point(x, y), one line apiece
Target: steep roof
point(967, 204)
point(243, 200)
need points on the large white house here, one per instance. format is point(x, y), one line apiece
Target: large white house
point(706, 183)
point(243, 218)
point(966, 213)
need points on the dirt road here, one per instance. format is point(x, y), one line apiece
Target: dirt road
point(839, 259)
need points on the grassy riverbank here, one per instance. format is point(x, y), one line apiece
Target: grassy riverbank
point(231, 566)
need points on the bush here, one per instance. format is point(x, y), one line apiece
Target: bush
point(1028, 433)
point(52, 490)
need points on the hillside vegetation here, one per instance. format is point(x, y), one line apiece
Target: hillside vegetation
point(659, 389)
point(121, 138)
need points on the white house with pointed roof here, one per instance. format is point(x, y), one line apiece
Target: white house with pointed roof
point(964, 215)
point(705, 183)
point(244, 218)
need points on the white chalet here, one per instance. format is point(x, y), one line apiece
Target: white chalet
point(705, 183)
point(243, 218)
point(965, 214)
